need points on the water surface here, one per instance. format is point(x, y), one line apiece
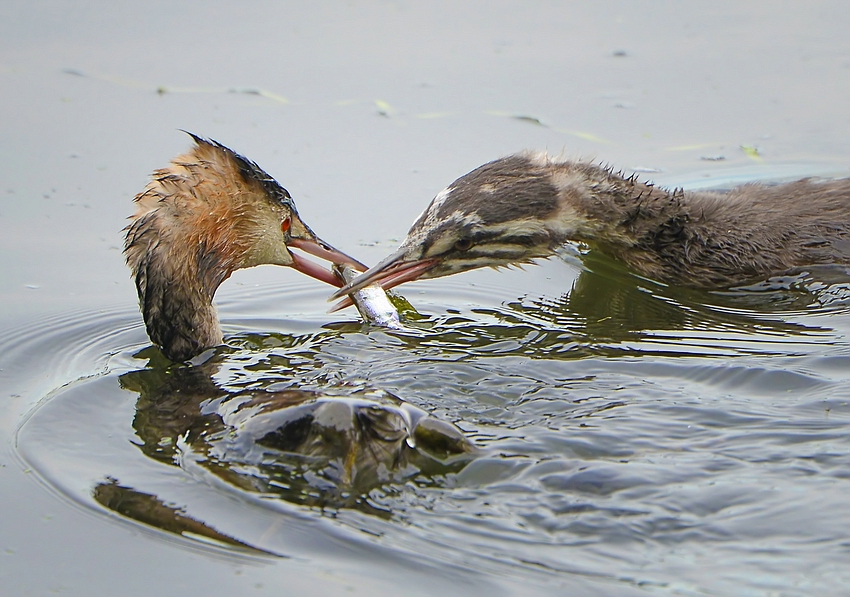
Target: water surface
point(627, 431)
point(634, 438)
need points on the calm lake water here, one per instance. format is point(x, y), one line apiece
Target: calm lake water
point(634, 439)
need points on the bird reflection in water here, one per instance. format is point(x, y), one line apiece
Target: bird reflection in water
point(209, 213)
point(321, 450)
point(608, 311)
point(148, 509)
point(608, 301)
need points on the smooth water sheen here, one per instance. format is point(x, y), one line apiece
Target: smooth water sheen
point(634, 438)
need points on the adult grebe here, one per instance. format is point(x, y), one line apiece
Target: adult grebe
point(206, 215)
point(525, 206)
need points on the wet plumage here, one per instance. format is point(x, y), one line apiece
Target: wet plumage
point(209, 213)
point(526, 206)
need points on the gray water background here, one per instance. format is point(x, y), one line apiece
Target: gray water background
point(679, 445)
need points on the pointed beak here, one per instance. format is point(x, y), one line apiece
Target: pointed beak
point(301, 237)
point(396, 269)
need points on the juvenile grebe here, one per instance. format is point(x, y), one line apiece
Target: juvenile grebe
point(209, 213)
point(525, 206)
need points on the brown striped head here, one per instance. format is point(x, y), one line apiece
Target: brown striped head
point(510, 211)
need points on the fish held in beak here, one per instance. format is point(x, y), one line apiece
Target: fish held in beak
point(396, 269)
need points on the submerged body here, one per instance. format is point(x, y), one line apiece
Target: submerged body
point(209, 213)
point(526, 206)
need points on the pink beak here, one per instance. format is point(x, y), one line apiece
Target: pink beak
point(320, 248)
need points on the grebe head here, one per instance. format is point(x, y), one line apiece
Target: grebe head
point(507, 212)
point(208, 214)
point(525, 206)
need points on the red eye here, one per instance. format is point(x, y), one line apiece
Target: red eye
point(285, 225)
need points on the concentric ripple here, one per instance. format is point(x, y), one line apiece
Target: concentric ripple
point(629, 433)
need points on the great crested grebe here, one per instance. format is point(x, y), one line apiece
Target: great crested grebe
point(209, 213)
point(525, 206)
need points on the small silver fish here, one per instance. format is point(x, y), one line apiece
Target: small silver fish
point(372, 301)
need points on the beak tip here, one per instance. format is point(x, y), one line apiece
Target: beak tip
point(337, 295)
point(346, 302)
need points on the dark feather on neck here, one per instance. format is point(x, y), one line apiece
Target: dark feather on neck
point(175, 295)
